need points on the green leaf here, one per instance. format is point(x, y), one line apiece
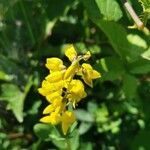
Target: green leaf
point(92, 9)
point(5, 77)
point(135, 39)
point(84, 127)
point(130, 84)
point(115, 32)
point(43, 130)
point(102, 114)
point(146, 54)
point(92, 107)
point(110, 9)
point(84, 115)
point(47, 132)
point(139, 67)
point(141, 141)
point(8, 66)
point(114, 68)
point(86, 146)
point(15, 98)
point(137, 46)
point(146, 5)
point(117, 36)
point(74, 140)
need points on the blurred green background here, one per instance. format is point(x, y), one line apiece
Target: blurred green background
point(116, 113)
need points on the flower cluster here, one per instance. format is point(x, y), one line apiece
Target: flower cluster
point(61, 89)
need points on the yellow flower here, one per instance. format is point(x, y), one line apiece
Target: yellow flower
point(45, 89)
point(87, 55)
point(54, 118)
point(55, 76)
point(88, 74)
point(67, 119)
point(76, 91)
point(54, 64)
point(60, 88)
point(56, 106)
point(49, 88)
point(71, 71)
point(55, 95)
point(71, 52)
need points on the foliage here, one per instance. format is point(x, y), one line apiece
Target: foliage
point(115, 114)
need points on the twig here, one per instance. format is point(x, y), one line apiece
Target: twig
point(133, 14)
point(13, 136)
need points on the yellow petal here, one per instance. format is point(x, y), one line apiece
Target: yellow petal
point(88, 73)
point(55, 118)
point(55, 76)
point(72, 69)
point(87, 80)
point(51, 97)
point(43, 91)
point(96, 74)
point(45, 83)
point(65, 127)
point(57, 102)
point(87, 66)
point(57, 86)
point(77, 88)
point(48, 109)
point(68, 118)
point(54, 64)
point(76, 91)
point(46, 119)
point(70, 52)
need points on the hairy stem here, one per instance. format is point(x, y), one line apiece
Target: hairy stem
point(133, 14)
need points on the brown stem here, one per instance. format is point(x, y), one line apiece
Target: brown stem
point(13, 136)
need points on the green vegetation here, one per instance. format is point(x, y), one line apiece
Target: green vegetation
point(116, 113)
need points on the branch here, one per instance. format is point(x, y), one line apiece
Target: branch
point(133, 14)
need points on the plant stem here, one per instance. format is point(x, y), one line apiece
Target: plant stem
point(133, 14)
point(68, 144)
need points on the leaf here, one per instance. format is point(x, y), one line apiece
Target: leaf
point(5, 77)
point(56, 8)
point(117, 36)
point(146, 5)
point(92, 107)
point(139, 67)
point(110, 9)
point(146, 54)
point(74, 141)
point(15, 98)
point(84, 127)
point(47, 132)
point(114, 68)
point(141, 141)
point(137, 46)
point(84, 115)
point(42, 130)
point(62, 142)
point(130, 84)
point(115, 33)
point(86, 146)
point(92, 9)
point(137, 40)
